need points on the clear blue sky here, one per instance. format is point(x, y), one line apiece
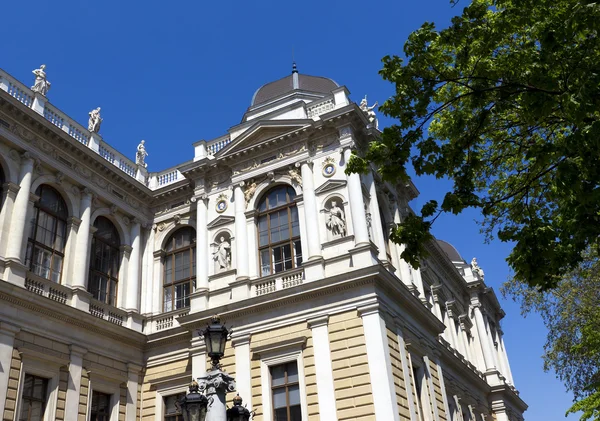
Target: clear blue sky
point(176, 72)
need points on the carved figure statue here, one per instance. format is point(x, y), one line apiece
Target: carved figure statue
point(369, 112)
point(41, 84)
point(476, 268)
point(94, 121)
point(296, 178)
point(222, 253)
point(249, 192)
point(140, 156)
point(336, 221)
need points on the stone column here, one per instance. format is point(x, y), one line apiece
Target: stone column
point(380, 365)
point(485, 344)
point(74, 382)
point(7, 340)
point(201, 243)
point(357, 205)
point(133, 273)
point(243, 373)
point(10, 191)
point(198, 355)
point(323, 368)
point(504, 357)
point(378, 237)
point(80, 269)
point(310, 211)
point(241, 237)
point(19, 214)
point(429, 377)
point(133, 371)
point(214, 385)
point(443, 387)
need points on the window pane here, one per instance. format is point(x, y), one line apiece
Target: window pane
point(279, 399)
point(277, 259)
point(168, 299)
point(298, 253)
point(278, 375)
point(295, 413)
point(263, 233)
point(281, 414)
point(265, 265)
point(294, 393)
point(295, 224)
point(292, 372)
point(274, 221)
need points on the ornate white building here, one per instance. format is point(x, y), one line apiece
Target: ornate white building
point(107, 271)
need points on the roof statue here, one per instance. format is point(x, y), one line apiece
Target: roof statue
point(140, 156)
point(369, 112)
point(41, 84)
point(94, 121)
point(476, 268)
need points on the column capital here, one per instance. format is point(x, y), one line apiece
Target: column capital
point(9, 328)
point(318, 321)
point(77, 350)
point(86, 193)
point(27, 157)
point(241, 340)
point(126, 248)
point(10, 187)
point(368, 309)
point(133, 368)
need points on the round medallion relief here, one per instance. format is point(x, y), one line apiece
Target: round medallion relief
point(221, 206)
point(329, 170)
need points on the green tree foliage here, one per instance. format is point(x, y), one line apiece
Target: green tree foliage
point(506, 103)
point(571, 312)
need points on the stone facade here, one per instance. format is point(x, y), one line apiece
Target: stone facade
point(107, 271)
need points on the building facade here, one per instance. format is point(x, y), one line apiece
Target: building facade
point(107, 271)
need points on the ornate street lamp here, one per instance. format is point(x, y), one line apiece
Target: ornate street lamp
point(193, 405)
point(238, 412)
point(215, 337)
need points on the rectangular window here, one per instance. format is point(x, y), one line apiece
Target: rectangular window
point(100, 410)
point(285, 387)
point(172, 410)
point(33, 399)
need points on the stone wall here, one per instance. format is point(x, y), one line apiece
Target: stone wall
point(13, 387)
point(350, 367)
point(398, 373)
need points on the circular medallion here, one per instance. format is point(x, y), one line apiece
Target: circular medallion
point(221, 206)
point(329, 170)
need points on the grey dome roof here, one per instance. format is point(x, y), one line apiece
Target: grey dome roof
point(305, 83)
point(450, 251)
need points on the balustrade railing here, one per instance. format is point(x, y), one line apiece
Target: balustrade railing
point(272, 283)
point(78, 132)
point(315, 110)
point(215, 146)
point(165, 321)
point(106, 312)
point(47, 289)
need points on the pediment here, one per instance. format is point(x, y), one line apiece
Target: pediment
point(260, 132)
point(220, 221)
point(330, 185)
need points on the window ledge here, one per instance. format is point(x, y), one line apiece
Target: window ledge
point(277, 345)
point(223, 274)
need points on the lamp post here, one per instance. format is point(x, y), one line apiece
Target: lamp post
point(193, 405)
point(238, 412)
point(216, 383)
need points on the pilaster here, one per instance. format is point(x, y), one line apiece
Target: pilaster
point(241, 345)
point(380, 365)
point(74, 382)
point(7, 340)
point(132, 283)
point(201, 243)
point(133, 373)
point(323, 368)
point(19, 214)
point(241, 234)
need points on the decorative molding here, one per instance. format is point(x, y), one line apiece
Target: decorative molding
point(330, 185)
point(220, 221)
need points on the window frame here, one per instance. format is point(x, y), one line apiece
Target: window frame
point(44, 400)
point(31, 239)
point(33, 363)
point(277, 357)
point(161, 393)
point(270, 246)
point(91, 401)
point(191, 280)
point(285, 386)
point(422, 393)
point(111, 387)
point(93, 271)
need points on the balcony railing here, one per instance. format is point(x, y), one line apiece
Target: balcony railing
point(81, 134)
point(48, 289)
point(107, 312)
point(277, 282)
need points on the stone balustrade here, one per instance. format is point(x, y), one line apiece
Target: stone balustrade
point(47, 288)
point(215, 146)
point(321, 107)
point(283, 280)
point(107, 312)
point(82, 135)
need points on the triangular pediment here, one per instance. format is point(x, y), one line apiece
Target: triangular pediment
point(261, 132)
point(220, 221)
point(330, 185)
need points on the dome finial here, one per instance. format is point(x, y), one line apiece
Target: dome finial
point(295, 81)
point(294, 68)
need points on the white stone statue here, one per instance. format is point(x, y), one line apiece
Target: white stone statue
point(249, 192)
point(94, 121)
point(476, 269)
point(369, 112)
point(140, 156)
point(336, 221)
point(41, 85)
point(222, 254)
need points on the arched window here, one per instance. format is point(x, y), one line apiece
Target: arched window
point(180, 269)
point(105, 262)
point(278, 231)
point(46, 244)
